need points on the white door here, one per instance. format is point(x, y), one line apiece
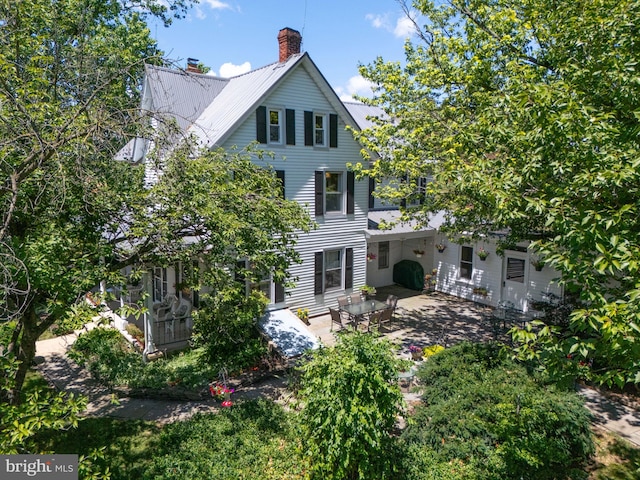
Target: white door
point(515, 275)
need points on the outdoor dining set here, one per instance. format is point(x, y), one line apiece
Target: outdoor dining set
point(359, 312)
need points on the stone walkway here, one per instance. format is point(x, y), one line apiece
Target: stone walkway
point(420, 320)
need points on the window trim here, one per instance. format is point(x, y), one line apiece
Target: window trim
point(280, 125)
point(383, 254)
point(466, 262)
point(324, 129)
point(341, 192)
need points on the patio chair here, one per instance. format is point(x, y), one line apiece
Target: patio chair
point(336, 317)
point(392, 301)
point(355, 298)
point(386, 317)
point(374, 321)
point(343, 301)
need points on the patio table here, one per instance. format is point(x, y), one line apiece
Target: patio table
point(363, 309)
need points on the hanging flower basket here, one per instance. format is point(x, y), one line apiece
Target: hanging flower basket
point(440, 247)
point(482, 254)
point(418, 253)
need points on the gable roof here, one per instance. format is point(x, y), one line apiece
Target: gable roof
point(362, 113)
point(211, 108)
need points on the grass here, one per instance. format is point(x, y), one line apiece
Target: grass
point(615, 459)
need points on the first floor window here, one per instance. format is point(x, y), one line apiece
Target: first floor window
point(515, 269)
point(159, 284)
point(466, 262)
point(333, 269)
point(383, 255)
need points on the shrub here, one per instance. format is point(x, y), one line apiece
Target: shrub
point(250, 440)
point(486, 411)
point(351, 402)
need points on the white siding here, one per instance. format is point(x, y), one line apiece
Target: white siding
point(300, 93)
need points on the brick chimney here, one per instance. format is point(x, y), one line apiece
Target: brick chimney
point(289, 41)
point(192, 65)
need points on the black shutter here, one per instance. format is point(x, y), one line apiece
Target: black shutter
point(333, 130)
point(261, 124)
point(318, 276)
point(372, 187)
point(290, 119)
point(348, 268)
point(350, 189)
point(308, 129)
point(319, 193)
point(279, 293)
point(280, 175)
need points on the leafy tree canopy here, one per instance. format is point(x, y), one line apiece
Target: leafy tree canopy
point(526, 115)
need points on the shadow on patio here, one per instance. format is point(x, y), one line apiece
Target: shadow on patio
point(425, 319)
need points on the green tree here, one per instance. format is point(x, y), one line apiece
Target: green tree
point(71, 216)
point(351, 402)
point(526, 116)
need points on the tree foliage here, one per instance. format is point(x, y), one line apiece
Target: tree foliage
point(71, 216)
point(351, 401)
point(526, 115)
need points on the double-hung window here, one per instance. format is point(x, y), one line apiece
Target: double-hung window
point(333, 192)
point(159, 284)
point(333, 270)
point(319, 130)
point(275, 126)
point(383, 255)
point(466, 262)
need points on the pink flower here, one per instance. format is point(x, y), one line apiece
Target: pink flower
point(227, 403)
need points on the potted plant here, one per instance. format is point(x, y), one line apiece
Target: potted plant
point(303, 314)
point(429, 283)
point(368, 291)
point(371, 257)
point(418, 252)
point(416, 352)
point(537, 263)
point(482, 253)
point(440, 247)
point(480, 291)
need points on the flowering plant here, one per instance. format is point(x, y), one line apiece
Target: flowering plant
point(415, 349)
point(482, 253)
point(440, 247)
point(220, 391)
point(371, 256)
point(303, 314)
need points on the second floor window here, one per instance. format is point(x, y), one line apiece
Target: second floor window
point(333, 192)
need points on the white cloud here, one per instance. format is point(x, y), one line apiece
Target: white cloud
point(217, 5)
point(404, 27)
point(378, 21)
point(356, 85)
point(228, 69)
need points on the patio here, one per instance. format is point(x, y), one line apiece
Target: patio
point(424, 320)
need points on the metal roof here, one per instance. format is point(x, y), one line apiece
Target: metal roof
point(182, 95)
point(361, 113)
point(403, 229)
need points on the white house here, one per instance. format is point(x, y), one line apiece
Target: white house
point(291, 110)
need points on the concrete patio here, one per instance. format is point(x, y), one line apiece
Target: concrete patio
point(424, 320)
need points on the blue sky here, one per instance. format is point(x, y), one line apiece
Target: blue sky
point(233, 37)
